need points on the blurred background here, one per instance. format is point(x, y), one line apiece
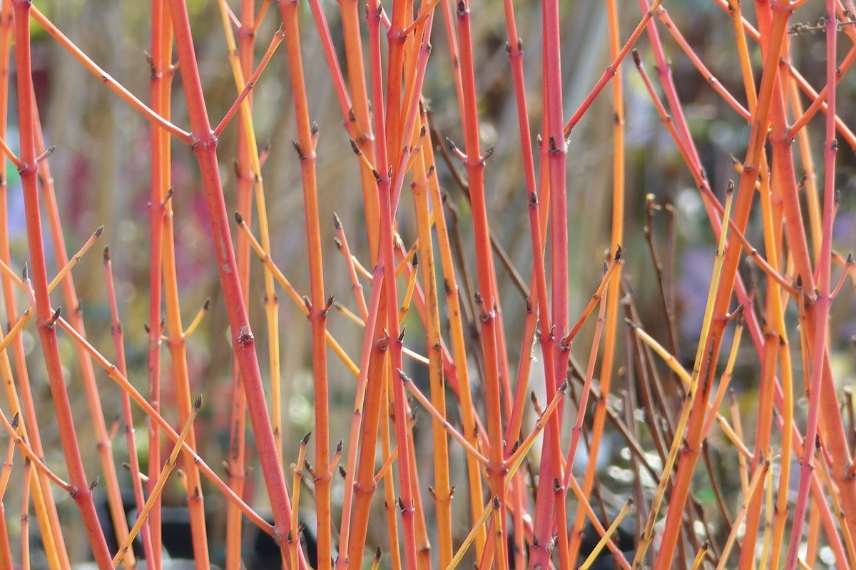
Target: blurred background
point(101, 171)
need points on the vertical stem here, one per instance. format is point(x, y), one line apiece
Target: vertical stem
point(442, 490)
point(388, 479)
point(45, 507)
point(821, 301)
point(361, 115)
point(776, 322)
point(813, 539)
point(5, 547)
point(205, 145)
point(357, 424)
point(238, 409)
point(177, 345)
point(808, 168)
point(459, 349)
point(538, 208)
point(364, 485)
point(44, 313)
point(160, 86)
point(25, 515)
point(486, 298)
point(556, 148)
point(762, 446)
point(249, 180)
point(402, 15)
point(387, 261)
point(402, 431)
point(127, 414)
point(305, 146)
point(613, 293)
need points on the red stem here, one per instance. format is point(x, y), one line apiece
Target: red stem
point(44, 313)
point(243, 342)
point(52, 534)
point(318, 303)
point(551, 468)
point(159, 141)
point(487, 298)
point(127, 414)
point(371, 320)
point(238, 410)
point(823, 301)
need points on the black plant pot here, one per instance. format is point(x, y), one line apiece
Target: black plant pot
point(266, 555)
point(107, 524)
point(177, 538)
point(261, 550)
point(624, 539)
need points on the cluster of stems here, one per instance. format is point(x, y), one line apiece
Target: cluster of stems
point(511, 461)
